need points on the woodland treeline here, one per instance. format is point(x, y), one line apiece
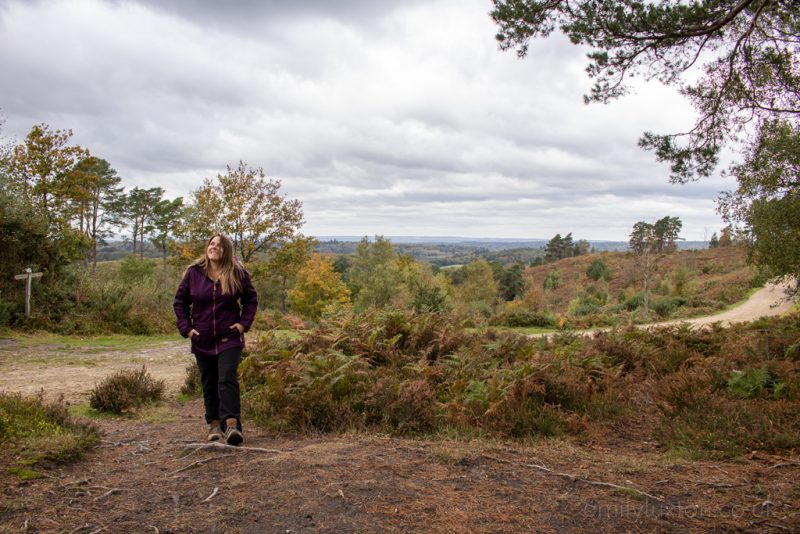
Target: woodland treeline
point(60, 202)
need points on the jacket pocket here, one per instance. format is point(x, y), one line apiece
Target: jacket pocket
point(203, 341)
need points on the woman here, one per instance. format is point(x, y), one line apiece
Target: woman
point(215, 305)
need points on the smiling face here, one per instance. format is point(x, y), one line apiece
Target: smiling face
point(215, 250)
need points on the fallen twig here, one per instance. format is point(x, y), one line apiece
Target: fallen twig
point(595, 482)
point(112, 491)
point(213, 494)
point(98, 530)
point(785, 464)
point(717, 485)
point(495, 458)
point(78, 529)
point(154, 528)
point(225, 446)
point(198, 463)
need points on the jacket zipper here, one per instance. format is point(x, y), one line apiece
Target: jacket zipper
point(214, 315)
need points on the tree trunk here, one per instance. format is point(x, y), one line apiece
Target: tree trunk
point(283, 294)
point(94, 237)
point(164, 250)
point(646, 282)
point(141, 240)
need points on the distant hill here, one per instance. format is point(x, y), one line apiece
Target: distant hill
point(496, 243)
point(446, 250)
point(436, 250)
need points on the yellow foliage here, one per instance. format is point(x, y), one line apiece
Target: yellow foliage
point(318, 285)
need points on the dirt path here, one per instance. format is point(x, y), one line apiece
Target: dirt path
point(72, 371)
point(140, 479)
point(767, 301)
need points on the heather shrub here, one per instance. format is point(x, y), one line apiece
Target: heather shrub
point(192, 386)
point(125, 390)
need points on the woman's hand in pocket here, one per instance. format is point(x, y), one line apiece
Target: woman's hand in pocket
point(238, 327)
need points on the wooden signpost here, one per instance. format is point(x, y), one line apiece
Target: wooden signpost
point(27, 277)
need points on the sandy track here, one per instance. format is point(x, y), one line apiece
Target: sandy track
point(73, 371)
point(766, 302)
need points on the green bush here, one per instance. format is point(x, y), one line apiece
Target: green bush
point(42, 431)
point(553, 280)
point(598, 270)
point(588, 303)
point(667, 306)
point(6, 311)
point(192, 386)
point(132, 270)
point(579, 307)
point(634, 302)
point(125, 390)
point(528, 319)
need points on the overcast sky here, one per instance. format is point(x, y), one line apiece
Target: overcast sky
point(382, 117)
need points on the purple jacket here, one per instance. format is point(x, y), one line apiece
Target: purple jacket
point(200, 304)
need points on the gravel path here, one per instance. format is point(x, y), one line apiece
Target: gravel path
point(767, 301)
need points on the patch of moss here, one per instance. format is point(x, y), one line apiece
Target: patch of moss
point(24, 473)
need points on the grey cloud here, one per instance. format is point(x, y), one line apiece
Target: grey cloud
point(260, 14)
point(368, 111)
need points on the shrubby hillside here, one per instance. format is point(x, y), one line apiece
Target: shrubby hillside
point(608, 288)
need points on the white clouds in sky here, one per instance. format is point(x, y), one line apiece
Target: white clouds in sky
point(393, 118)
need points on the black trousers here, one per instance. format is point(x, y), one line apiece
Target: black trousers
point(220, 379)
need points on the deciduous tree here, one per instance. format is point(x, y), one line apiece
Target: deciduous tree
point(284, 262)
point(318, 286)
point(38, 171)
point(769, 185)
point(374, 276)
point(645, 243)
point(478, 292)
point(41, 163)
point(248, 207)
point(726, 237)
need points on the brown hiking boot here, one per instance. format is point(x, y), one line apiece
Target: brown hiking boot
point(232, 434)
point(214, 431)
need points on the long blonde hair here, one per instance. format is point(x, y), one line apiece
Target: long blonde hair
point(230, 273)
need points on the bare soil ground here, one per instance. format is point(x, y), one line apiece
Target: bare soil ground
point(146, 475)
point(71, 371)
